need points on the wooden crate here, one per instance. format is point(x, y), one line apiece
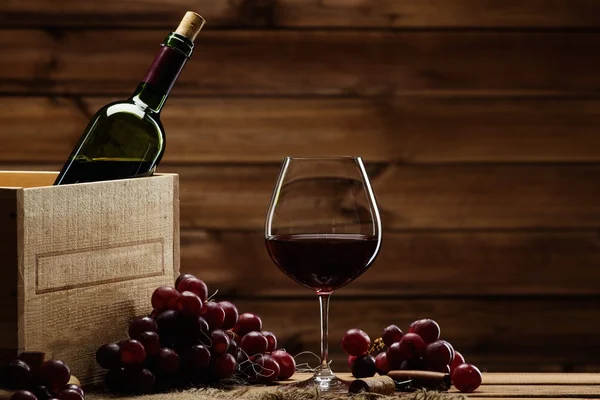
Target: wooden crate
point(80, 261)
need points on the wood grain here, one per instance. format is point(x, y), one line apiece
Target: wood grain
point(528, 386)
point(477, 120)
point(26, 179)
point(401, 129)
point(305, 13)
point(497, 335)
point(411, 197)
point(81, 260)
point(541, 379)
point(414, 264)
point(589, 392)
point(301, 62)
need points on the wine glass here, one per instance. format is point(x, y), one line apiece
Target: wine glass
point(323, 230)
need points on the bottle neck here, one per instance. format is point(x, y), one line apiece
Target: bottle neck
point(153, 90)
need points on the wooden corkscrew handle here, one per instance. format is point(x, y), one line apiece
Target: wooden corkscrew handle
point(422, 379)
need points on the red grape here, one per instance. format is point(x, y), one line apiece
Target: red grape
point(231, 314)
point(139, 380)
point(364, 366)
point(438, 355)
point(450, 346)
point(248, 322)
point(194, 285)
point(254, 343)
point(168, 323)
point(197, 358)
point(141, 325)
point(350, 361)
point(108, 357)
point(267, 369)
point(182, 277)
point(411, 346)
point(416, 364)
point(392, 334)
point(172, 303)
point(241, 357)
point(220, 341)
point(394, 356)
point(456, 361)
point(232, 335)
point(213, 314)
point(167, 362)
point(381, 363)
point(171, 341)
point(55, 374)
point(355, 342)
point(233, 347)
point(271, 339)
point(132, 352)
point(164, 298)
point(287, 364)
point(466, 378)
point(115, 380)
point(42, 392)
point(428, 329)
point(34, 359)
point(195, 328)
point(74, 387)
point(151, 343)
point(189, 303)
point(23, 395)
point(223, 366)
point(18, 375)
point(69, 394)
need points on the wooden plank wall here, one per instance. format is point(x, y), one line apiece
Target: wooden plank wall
point(479, 121)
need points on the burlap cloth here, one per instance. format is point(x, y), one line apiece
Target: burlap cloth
point(276, 393)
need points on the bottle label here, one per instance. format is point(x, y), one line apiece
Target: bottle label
point(165, 68)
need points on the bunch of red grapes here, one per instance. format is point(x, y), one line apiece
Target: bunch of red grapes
point(188, 340)
point(48, 380)
point(419, 349)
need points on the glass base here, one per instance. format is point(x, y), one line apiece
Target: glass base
point(324, 382)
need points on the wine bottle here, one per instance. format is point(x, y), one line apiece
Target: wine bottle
point(126, 139)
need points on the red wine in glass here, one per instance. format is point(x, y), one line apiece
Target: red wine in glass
point(323, 230)
point(322, 262)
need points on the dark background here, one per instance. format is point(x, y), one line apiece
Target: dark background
point(478, 121)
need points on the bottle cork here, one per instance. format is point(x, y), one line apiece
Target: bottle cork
point(381, 385)
point(190, 25)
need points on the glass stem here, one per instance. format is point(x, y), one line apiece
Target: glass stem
point(324, 370)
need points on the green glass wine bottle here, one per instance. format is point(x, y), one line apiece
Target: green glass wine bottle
point(126, 139)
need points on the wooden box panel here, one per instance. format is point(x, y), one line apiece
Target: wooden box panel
point(82, 260)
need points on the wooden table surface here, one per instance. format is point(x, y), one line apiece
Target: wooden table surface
point(529, 385)
point(517, 386)
point(513, 386)
point(538, 386)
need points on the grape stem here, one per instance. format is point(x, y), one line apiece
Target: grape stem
point(210, 298)
point(376, 346)
point(305, 367)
